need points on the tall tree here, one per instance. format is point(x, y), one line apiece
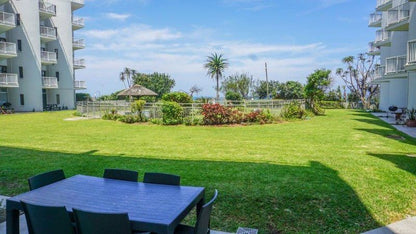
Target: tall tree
point(317, 83)
point(260, 88)
point(290, 90)
point(194, 90)
point(358, 76)
point(215, 65)
point(126, 76)
point(238, 83)
point(160, 83)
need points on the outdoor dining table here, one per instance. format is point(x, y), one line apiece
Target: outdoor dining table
point(151, 207)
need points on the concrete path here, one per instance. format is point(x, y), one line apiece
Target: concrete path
point(403, 128)
point(406, 226)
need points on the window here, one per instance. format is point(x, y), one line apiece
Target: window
point(57, 75)
point(3, 69)
point(56, 51)
point(22, 99)
point(17, 19)
point(43, 73)
point(58, 99)
point(20, 72)
point(19, 45)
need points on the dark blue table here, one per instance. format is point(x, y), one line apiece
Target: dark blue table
point(151, 207)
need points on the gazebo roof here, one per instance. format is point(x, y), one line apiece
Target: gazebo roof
point(137, 91)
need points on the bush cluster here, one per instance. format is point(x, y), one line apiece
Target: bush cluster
point(172, 113)
point(331, 105)
point(179, 97)
point(294, 110)
point(216, 114)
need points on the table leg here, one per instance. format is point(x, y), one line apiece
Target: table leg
point(199, 206)
point(12, 221)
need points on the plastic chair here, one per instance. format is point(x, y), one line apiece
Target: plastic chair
point(46, 178)
point(202, 222)
point(47, 219)
point(102, 223)
point(161, 178)
point(121, 174)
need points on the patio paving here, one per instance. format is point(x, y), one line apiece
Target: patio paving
point(406, 226)
point(391, 120)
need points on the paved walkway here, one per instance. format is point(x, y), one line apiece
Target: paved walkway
point(403, 128)
point(406, 226)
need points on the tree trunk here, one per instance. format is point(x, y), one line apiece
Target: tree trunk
point(218, 84)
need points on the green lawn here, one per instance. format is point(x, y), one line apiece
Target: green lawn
point(343, 172)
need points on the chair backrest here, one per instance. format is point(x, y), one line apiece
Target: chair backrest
point(121, 174)
point(202, 222)
point(47, 219)
point(161, 178)
point(46, 178)
point(102, 223)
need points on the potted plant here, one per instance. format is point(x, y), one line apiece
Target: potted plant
point(411, 121)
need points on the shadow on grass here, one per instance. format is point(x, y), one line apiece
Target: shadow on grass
point(272, 198)
point(405, 162)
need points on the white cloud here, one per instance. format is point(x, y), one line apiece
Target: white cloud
point(182, 55)
point(116, 16)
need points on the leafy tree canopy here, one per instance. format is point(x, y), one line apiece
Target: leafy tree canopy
point(238, 83)
point(160, 83)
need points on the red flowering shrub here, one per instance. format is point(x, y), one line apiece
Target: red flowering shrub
point(215, 114)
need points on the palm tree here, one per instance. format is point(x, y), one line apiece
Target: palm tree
point(216, 64)
point(127, 76)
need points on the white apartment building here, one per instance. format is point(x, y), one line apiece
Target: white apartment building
point(37, 45)
point(395, 43)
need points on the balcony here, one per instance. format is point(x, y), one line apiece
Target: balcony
point(77, 23)
point(382, 38)
point(375, 20)
point(395, 65)
point(411, 55)
point(48, 58)
point(384, 5)
point(46, 10)
point(7, 21)
point(373, 50)
point(79, 63)
point(47, 34)
point(379, 71)
point(76, 4)
point(7, 50)
point(78, 84)
point(49, 82)
point(398, 18)
point(8, 80)
point(78, 44)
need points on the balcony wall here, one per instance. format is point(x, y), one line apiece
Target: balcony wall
point(78, 84)
point(76, 4)
point(7, 21)
point(77, 23)
point(398, 18)
point(375, 20)
point(49, 82)
point(7, 50)
point(46, 10)
point(8, 80)
point(79, 63)
point(48, 57)
point(47, 34)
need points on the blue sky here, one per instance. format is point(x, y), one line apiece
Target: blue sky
point(294, 37)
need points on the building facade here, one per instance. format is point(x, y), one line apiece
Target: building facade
point(395, 44)
point(37, 47)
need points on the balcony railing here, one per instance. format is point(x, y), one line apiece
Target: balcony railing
point(49, 82)
point(372, 49)
point(383, 4)
point(7, 19)
point(411, 52)
point(395, 64)
point(46, 8)
point(8, 49)
point(48, 57)
point(78, 23)
point(8, 80)
point(48, 33)
point(375, 20)
point(379, 71)
point(76, 4)
point(398, 14)
point(79, 63)
point(78, 84)
point(382, 36)
point(78, 43)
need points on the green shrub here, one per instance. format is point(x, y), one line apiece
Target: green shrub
point(233, 96)
point(293, 110)
point(77, 113)
point(137, 108)
point(193, 121)
point(179, 97)
point(157, 121)
point(129, 119)
point(172, 113)
point(111, 115)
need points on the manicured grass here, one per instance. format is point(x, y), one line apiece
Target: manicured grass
point(335, 173)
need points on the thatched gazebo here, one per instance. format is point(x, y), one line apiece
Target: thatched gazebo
point(137, 91)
